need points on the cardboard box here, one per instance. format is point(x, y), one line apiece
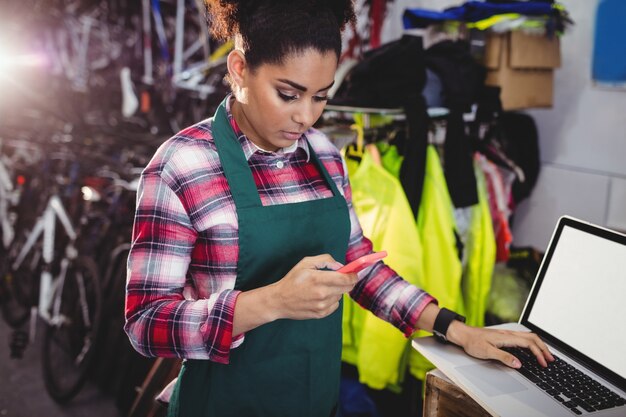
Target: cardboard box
point(522, 66)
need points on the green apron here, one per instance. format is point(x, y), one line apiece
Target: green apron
point(287, 367)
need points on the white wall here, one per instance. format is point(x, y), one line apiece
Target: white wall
point(583, 137)
point(583, 143)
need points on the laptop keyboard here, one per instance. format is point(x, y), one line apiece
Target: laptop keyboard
point(566, 384)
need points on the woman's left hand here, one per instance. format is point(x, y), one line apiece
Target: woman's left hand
point(486, 343)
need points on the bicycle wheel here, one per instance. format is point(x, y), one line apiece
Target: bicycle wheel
point(19, 287)
point(70, 337)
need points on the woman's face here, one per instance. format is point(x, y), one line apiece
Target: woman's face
point(276, 104)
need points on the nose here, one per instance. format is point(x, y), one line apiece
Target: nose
point(305, 114)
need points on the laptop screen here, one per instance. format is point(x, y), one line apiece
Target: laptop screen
point(578, 301)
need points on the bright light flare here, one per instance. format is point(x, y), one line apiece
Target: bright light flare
point(12, 60)
point(27, 60)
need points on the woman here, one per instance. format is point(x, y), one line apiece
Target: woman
point(243, 219)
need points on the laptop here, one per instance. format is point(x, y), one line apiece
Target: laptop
point(577, 305)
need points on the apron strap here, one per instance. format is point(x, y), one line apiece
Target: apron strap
point(322, 168)
point(236, 169)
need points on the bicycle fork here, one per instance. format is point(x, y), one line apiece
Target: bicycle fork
point(47, 286)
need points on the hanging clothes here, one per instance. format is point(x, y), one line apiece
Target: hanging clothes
point(473, 11)
point(441, 263)
point(414, 152)
point(377, 17)
point(426, 255)
point(499, 184)
point(374, 346)
point(481, 255)
point(462, 289)
point(375, 82)
point(391, 158)
point(519, 140)
point(462, 79)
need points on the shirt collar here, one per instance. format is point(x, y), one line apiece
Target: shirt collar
point(249, 148)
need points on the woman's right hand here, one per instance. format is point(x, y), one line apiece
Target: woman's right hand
point(308, 292)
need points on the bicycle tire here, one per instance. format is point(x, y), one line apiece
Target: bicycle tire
point(114, 250)
point(68, 346)
point(19, 288)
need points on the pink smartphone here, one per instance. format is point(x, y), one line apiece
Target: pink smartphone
point(362, 263)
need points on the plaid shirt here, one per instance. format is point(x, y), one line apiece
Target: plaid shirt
point(182, 266)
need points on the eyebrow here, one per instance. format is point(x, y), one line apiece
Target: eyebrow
point(303, 88)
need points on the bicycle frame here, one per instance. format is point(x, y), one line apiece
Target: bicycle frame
point(180, 54)
point(147, 43)
point(46, 225)
point(187, 76)
point(9, 194)
point(6, 194)
point(71, 42)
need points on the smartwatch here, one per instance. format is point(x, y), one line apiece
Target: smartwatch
point(442, 322)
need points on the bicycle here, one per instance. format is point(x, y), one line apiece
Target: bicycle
point(9, 196)
point(67, 298)
point(15, 159)
point(92, 89)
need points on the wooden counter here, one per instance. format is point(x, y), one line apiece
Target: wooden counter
point(443, 398)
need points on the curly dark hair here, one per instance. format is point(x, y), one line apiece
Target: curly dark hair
point(270, 30)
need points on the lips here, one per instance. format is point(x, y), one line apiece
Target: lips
point(291, 135)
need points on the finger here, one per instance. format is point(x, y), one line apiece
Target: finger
point(333, 307)
point(536, 345)
point(538, 354)
point(347, 281)
point(504, 357)
point(325, 309)
point(321, 262)
point(544, 348)
point(338, 281)
point(545, 351)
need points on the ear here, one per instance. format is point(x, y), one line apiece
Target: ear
point(237, 67)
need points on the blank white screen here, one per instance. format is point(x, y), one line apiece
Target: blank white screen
point(582, 300)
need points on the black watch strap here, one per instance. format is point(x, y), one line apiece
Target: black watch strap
point(442, 322)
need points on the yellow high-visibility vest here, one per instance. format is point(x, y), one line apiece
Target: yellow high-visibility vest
point(425, 254)
point(373, 345)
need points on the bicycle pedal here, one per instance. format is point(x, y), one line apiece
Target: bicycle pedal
point(18, 344)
